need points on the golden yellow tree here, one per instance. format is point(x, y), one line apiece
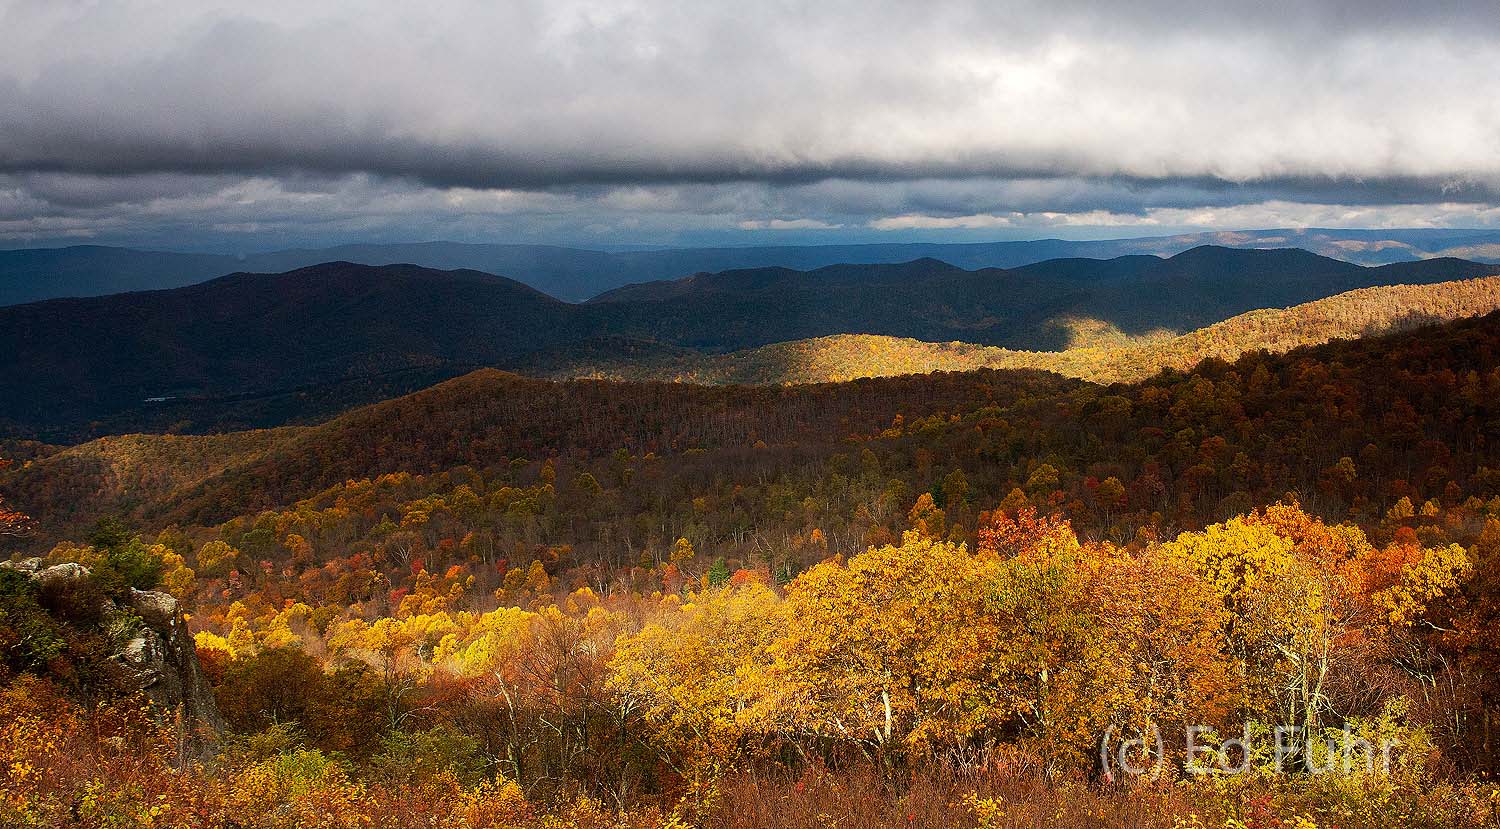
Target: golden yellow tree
point(1306, 599)
point(885, 652)
point(693, 670)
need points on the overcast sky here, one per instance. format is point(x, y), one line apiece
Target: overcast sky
point(194, 123)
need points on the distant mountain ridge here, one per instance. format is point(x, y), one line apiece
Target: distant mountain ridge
point(246, 335)
point(1034, 307)
point(253, 350)
point(575, 274)
point(844, 357)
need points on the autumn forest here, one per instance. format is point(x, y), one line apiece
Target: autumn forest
point(1246, 575)
point(639, 414)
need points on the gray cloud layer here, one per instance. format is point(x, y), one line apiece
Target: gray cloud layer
point(723, 114)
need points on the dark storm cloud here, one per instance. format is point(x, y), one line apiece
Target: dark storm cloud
point(833, 113)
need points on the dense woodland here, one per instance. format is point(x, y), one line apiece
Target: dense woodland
point(906, 601)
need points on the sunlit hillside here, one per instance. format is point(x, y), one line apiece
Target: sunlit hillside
point(1105, 355)
point(121, 474)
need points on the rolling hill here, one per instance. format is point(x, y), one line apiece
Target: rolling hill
point(354, 329)
point(32, 275)
point(495, 420)
point(842, 357)
point(256, 350)
point(475, 420)
point(1029, 308)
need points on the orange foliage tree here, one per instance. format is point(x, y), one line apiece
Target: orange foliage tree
point(13, 523)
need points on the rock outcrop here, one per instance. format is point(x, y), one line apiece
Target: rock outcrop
point(164, 661)
point(159, 659)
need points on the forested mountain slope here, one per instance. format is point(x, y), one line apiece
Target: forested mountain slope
point(251, 350)
point(1416, 410)
point(473, 420)
point(1358, 313)
point(154, 355)
point(1031, 308)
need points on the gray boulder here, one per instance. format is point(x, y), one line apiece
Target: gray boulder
point(164, 660)
point(58, 573)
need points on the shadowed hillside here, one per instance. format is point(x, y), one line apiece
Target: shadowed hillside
point(1111, 356)
point(469, 421)
point(1026, 308)
point(249, 351)
point(157, 357)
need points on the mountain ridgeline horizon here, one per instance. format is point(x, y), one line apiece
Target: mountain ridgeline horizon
point(251, 350)
point(576, 274)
